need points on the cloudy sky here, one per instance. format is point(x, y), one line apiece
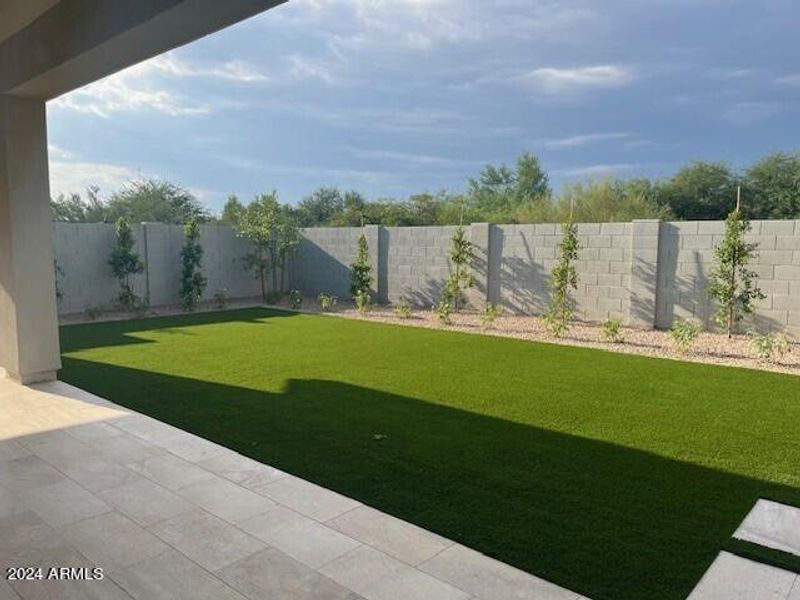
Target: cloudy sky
point(393, 97)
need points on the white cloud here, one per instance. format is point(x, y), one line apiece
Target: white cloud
point(746, 113)
point(585, 139)
point(146, 86)
point(793, 79)
point(68, 176)
point(593, 171)
point(551, 80)
point(413, 159)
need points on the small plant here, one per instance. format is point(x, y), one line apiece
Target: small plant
point(461, 255)
point(327, 302)
point(490, 314)
point(564, 278)
point(221, 298)
point(94, 312)
point(124, 263)
point(444, 310)
point(59, 274)
point(611, 331)
point(193, 283)
point(770, 346)
point(363, 302)
point(361, 276)
point(403, 309)
point(684, 333)
point(733, 285)
point(295, 299)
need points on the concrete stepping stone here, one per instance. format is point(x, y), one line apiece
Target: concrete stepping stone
point(772, 525)
point(732, 577)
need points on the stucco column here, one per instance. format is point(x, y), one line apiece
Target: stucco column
point(29, 348)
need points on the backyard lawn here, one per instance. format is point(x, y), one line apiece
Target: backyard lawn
point(617, 476)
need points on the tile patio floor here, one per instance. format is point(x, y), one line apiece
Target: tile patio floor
point(166, 514)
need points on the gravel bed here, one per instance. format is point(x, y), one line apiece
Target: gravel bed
point(713, 348)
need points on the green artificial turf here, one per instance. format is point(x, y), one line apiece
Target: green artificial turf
point(617, 476)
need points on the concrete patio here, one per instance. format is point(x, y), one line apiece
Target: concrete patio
point(85, 483)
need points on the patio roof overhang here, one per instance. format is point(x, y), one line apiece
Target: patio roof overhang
point(48, 48)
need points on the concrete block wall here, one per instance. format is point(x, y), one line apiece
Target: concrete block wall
point(646, 273)
point(82, 251)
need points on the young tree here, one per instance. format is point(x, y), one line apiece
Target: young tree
point(288, 240)
point(124, 263)
point(193, 283)
point(733, 285)
point(259, 224)
point(361, 275)
point(564, 278)
point(460, 279)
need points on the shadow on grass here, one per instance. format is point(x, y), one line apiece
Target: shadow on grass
point(607, 521)
point(84, 336)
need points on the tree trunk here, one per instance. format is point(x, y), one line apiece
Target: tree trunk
point(283, 275)
point(263, 284)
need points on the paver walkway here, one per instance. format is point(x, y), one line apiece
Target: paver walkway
point(166, 514)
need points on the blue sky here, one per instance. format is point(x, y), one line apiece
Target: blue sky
point(393, 97)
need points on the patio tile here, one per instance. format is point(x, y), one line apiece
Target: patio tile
point(147, 428)
point(27, 473)
point(170, 471)
point(226, 499)
point(206, 539)
point(192, 448)
point(111, 539)
point(773, 525)
point(21, 535)
point(145, 502)
point(242, 470)
point(63, 503)
point(488, 579)
point(307, 498)
point(83, 463)
point(795, 593)
point(57, 553)
point(271, 574)
point(170, 576)
point(10, 503)
point(89, 432)
point(731, 577)
point(377, 576)
point(300, 537)
point(404, 541)
point(7, 592)
point(11, 450)
point(126, 448)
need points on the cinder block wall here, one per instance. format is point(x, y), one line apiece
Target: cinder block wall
point(646, 273)
point(82, 252)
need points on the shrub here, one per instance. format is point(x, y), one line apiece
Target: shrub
point(295, 299)
point(363, 301)
point(611, 331)
point(59, 274)
point(403, 309)
point(193, 283)
point(94, 312)
point(124, 263)
point(733, 285)
point(327, 302)
point(361, 273)
point(221, 298)
point(461, 255)
point(770, 346)
point(444, 310)
point(684, 333)
point(490, 314)
point(563, 278)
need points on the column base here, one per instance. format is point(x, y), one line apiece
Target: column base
point(31, 378)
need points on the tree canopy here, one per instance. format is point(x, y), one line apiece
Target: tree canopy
point(521, 193)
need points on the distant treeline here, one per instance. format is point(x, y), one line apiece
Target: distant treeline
point(499, 194)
